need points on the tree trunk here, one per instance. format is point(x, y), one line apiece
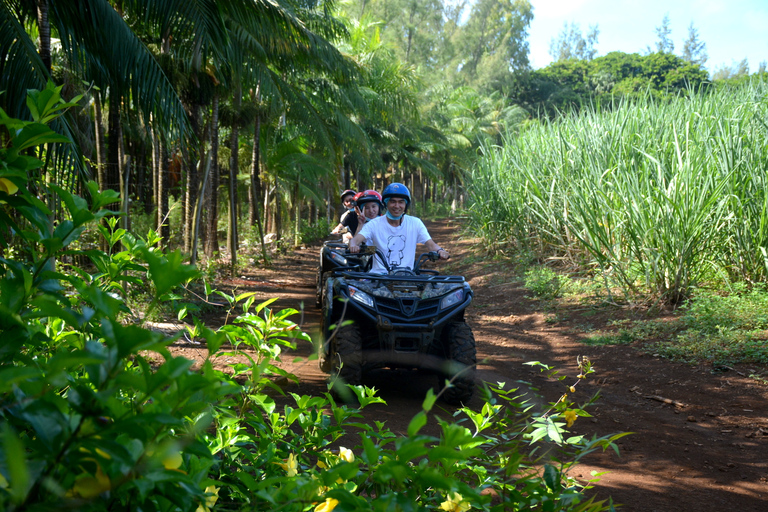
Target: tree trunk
point(347, 175)
point(162, 205)
point(255, 200)
point(113, 146)
point(126, 220)
point(44, 30)
point(234, 165)
point(296, 215)
point(278, 216)
point(155, 172)
point(198, 207)
point(101, 148)
point(121, 160)
point(212, 238)
point(268, 217)
point(192, 160)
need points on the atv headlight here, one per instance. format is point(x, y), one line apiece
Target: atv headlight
point(361, 297)
point(338, 258)
point(452, 298)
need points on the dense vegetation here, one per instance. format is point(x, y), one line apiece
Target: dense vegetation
point(652, 198)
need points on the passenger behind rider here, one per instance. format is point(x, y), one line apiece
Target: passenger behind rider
point(395, 234)
point(368, 206)
point(348, 219)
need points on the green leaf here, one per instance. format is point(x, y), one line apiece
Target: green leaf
point(416, 423)
point(168, 271)
point(552, 478)
point(10, 376)
point(429, 400)
point(36, 134)
point(16, 461)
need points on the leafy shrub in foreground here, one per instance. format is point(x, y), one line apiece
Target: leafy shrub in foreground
point(91, 420)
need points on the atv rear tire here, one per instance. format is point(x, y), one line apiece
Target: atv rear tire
point(347, 360)
point(460, 364)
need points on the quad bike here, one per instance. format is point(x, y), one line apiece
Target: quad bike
point(334, 256)
point(403, 319)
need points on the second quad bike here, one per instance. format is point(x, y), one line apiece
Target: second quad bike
point(402, 319)
point(335, 256)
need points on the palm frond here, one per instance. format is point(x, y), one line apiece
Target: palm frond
point(22, 69)
point(113, 56)
point(20, 65)
point(197, 26)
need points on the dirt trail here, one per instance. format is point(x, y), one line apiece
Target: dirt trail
point(700, 438)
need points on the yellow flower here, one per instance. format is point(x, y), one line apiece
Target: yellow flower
point(455, 503)
point(346, 454)
point(290, 465)
point(572, 389)
point(8, 186)
point(210, 501)
point(328, 505)
point(87, 486)
point(172, 461)
point(570, 417)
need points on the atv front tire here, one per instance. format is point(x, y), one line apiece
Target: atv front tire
point(347, 359)
point(460, 365)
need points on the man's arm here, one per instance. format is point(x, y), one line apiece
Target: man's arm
point(354, 244)
point(432, 246)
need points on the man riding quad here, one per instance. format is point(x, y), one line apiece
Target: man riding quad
point(395, 234)
point(397, 315)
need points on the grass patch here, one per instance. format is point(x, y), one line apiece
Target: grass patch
point(545, 283)
point(622, 337)
point(722, 329)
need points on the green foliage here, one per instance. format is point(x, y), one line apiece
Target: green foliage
point(611, 194)
point(622, 337)
point(573, 84)
point(97, 415)
point(723, 329)
point(544, 282)
point(311, 233)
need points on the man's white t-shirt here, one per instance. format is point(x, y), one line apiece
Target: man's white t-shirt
point(398, 243)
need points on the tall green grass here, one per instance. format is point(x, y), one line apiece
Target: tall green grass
point(655, 198)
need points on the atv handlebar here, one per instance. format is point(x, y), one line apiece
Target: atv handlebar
point(431, 256)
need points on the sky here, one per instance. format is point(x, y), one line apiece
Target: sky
point(732, 29)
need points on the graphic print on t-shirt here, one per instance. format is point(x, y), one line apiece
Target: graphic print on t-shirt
point(395, 244)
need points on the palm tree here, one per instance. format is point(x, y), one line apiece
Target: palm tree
point(110, 57)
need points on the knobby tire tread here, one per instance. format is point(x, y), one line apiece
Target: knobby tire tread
point(460, 344)
point(348, 357)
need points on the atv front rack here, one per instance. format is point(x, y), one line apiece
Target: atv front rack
point(419, 278)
